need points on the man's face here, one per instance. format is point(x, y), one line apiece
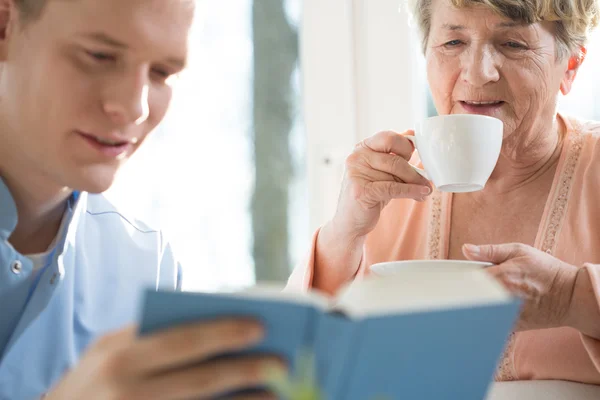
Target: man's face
point(83, 86)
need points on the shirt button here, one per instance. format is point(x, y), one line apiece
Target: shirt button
point(16, 267)
point(54, 278)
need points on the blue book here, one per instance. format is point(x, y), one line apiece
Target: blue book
point(419, 335)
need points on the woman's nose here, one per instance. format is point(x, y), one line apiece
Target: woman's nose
point(126, 101)
point(480, 67)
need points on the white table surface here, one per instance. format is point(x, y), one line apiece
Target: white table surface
point(543, 390)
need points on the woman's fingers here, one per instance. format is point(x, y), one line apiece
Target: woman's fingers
point(386, 191)
point(397, 167)
point(390, 142)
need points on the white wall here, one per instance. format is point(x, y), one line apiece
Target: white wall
point(361, 74)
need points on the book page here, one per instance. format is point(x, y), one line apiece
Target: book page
point(420, 291)
point(279, 292)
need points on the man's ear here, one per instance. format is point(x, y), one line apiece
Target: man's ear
point(8, 13)
point(573, 65)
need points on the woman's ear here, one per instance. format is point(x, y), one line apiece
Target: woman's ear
point(7, 14)
point(573, 65)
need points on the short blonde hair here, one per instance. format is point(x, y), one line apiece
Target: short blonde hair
point(574, 18)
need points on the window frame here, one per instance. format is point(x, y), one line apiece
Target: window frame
point(362, 72)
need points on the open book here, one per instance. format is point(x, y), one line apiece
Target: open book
point(416, 335)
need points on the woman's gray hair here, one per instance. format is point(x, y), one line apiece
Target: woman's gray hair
point(574, 18)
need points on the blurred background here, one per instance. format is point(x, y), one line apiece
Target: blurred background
point(247, 163)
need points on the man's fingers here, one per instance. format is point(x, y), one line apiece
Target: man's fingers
point(191, 343)
point(209, 379)
point(256, 396)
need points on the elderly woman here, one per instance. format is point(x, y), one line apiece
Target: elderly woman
point(537, 219)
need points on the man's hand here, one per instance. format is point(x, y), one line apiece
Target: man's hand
point(174, 364)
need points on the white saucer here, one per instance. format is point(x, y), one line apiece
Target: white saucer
point(394, 267)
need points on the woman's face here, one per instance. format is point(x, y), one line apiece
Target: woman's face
point(481, 63)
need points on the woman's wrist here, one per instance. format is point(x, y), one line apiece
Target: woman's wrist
point(337, 257)
point(346, 238)
point(584, 311)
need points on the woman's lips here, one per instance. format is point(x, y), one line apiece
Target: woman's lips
point(482, 107)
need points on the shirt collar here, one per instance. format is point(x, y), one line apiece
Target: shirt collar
point(76, 208)
point(8, 211)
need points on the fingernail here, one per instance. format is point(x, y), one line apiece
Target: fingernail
point(426, 190)
point(472, 249)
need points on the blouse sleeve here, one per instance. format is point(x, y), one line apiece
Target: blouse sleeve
point(592, 345)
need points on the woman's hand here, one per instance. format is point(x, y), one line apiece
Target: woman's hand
point(545, 283)
point(175, 364)
point(376, 172)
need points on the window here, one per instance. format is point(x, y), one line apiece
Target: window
point(224, 175)
point(584, 99)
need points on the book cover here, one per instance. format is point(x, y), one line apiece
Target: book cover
point(419, 353)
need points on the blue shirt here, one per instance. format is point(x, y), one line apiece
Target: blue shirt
point(90, 285)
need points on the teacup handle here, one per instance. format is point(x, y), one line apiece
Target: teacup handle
point(418, 170)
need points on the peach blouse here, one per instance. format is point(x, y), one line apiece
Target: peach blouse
point(570, 231)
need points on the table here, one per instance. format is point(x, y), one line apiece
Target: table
point(543, 390)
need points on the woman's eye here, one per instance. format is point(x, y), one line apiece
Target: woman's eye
point(453, 43)
point(515, 45)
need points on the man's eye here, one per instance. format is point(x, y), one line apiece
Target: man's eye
point(100, 56)
point(161, 73)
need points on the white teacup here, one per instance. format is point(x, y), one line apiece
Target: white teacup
point(458, 151)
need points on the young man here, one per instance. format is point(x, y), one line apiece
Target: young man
point(82, 84)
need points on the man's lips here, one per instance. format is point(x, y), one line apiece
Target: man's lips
point(109, 140)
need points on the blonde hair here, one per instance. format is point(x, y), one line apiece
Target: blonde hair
point(574, 18)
